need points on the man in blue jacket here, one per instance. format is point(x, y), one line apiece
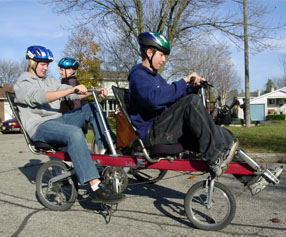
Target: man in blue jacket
point(172, 113)
point(169, 113)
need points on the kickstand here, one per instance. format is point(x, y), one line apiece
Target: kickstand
point(108, 210)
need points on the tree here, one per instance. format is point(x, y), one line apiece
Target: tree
point(185, 22)
point(180, 20)
point(282, 79)
point(211, 62)
point(10, 70)
point(82, 47)
point(246, 65)
point(269, 86)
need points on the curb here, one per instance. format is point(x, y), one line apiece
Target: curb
point(270, 157)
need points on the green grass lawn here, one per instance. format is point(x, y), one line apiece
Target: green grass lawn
point(269, 137)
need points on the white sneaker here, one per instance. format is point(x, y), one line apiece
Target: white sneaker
point(222, 162)
point(102, 151)
point(260, 183)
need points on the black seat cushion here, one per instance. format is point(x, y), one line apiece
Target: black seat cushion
point(45, 146)
point(166, 149)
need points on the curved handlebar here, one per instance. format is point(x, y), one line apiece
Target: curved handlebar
point(203, 83)
point(97, 92)
point(206, 84)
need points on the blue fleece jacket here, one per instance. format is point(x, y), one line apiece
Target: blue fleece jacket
point(150, 95)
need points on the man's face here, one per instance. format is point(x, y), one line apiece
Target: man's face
point(158, 59)
point(42, 68)
point(66, 72)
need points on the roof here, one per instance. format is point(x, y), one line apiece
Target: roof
point(252, 94)
point(279, 93)
point(114, 76)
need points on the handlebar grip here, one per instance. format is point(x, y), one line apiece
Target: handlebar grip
point(97, 92)
point(192, 79)
point(204, 83)
point(76, 90)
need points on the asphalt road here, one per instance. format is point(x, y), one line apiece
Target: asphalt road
point(149, 210)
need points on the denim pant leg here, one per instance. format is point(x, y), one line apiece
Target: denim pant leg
point(58, 131)
point(89, 113)
point(99, 125)
point(188, 118)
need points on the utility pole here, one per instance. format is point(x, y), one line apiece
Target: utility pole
point(246, 65)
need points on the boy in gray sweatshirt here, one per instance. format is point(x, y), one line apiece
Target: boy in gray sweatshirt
point(38, 98)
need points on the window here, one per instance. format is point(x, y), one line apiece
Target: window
point(271, 101)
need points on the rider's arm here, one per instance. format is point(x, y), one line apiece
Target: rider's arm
point(79, 89)
point(55, 95)
point(101, 92)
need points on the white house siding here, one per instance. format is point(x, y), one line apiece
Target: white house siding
point(109, 105)
point(7, 111)
point(278, 97)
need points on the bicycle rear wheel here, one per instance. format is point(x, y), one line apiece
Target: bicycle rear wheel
point(61, 195)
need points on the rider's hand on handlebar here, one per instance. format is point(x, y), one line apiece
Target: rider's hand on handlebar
point(103, 92)
point(194, 78)
point(80, 89)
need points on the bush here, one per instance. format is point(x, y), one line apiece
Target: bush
point(275, 117)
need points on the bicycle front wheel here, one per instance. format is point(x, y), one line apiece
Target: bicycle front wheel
point(213, 215)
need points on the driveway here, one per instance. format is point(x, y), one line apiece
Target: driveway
point(149, 210)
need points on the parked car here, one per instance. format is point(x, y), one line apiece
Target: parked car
point(10, 125)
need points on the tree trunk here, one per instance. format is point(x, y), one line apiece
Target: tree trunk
point(246, 62)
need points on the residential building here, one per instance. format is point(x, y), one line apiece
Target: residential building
point(5, 110)
point(112, 79)
point(273, 102)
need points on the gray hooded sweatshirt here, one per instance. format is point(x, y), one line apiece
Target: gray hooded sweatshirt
point(31, 100)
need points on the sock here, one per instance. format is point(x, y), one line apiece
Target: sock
point(102, 151)
point(94, 187)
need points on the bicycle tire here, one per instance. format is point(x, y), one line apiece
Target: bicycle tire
point(62, 194)
point(216, 217)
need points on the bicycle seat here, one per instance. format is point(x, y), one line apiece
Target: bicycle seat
point(46, 146)
point(166, 150)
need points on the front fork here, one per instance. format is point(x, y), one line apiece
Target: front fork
point(267, 174)
point(210, 187)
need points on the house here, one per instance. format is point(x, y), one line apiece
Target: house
point(111, 78)
point(5, 110)
point(273, 102)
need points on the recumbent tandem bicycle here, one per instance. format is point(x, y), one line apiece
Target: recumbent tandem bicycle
point(57, 185)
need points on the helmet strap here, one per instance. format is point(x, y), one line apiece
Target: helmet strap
point(34, 69)
point(150, 60)
point(66, 73)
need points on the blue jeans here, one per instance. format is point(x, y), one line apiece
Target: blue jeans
point(66, 130)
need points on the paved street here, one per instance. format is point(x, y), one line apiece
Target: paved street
point(149, 210)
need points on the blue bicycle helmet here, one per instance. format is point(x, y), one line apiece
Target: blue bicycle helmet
point(68, 63)
point(39, 54)
point(156, 40)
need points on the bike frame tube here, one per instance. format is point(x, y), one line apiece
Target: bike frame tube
point(110, 142)
point(61, 177)
point(139, 162)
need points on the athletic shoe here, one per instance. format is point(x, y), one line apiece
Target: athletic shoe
point(104, 194)
point(259, 183)
point(222, 162)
